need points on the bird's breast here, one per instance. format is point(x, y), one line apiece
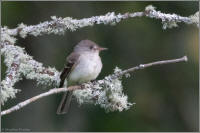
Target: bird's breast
point(87, 69)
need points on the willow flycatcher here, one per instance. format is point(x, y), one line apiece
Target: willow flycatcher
point(82, 65)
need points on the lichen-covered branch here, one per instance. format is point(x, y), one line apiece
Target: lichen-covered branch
point(106, 92)
point(19, 64)
point(26, 102)
point(59, 25)
point(171, 20)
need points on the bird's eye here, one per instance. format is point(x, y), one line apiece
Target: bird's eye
point(91, 47)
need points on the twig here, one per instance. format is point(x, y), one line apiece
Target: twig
point(59, 90)
point(26, 102)
point(142, 66)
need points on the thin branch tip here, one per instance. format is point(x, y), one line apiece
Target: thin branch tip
point(185, 58)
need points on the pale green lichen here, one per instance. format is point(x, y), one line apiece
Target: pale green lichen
point(7, 91)
point(150, 8)
point(6, 37)
point(195, 18)
point(169, 24)
point(108, 93)
point(24, 65)
point(59, 25)
point(170, 20)
point(23, 33)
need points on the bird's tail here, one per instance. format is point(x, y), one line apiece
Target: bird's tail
point(65, 103)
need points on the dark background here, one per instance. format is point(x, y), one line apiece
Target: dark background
point(166, 96)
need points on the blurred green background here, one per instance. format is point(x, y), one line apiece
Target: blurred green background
point(166, 96)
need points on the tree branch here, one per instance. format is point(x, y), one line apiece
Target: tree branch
point(60, 25)
point(20, 64)
point(90, 85)
point(142, 66)
point(26, 102)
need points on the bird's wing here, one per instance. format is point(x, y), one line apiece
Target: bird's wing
point(72, 61)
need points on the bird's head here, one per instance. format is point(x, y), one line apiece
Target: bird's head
point(88, 46)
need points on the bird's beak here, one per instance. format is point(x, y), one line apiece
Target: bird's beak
point(101, 49)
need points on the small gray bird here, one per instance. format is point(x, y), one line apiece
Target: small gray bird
point(83, 65)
